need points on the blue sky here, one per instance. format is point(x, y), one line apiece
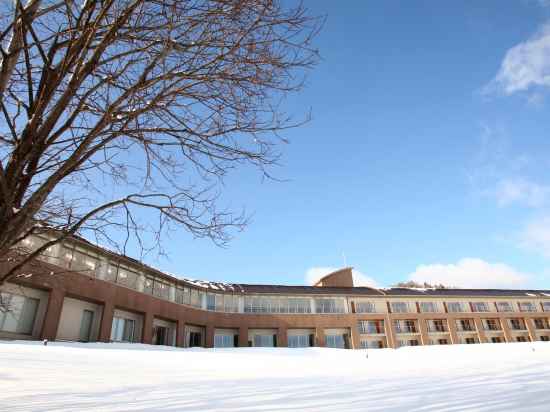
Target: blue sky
point(428, 155)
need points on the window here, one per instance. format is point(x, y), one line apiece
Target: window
point(470, 341)
point(224, 341)
point(126, 277)
point(517, 324)
point(455, 307)
point(365, 307)
point(335, 341)
point(210, 301)
point(465, 325)
point(428, 307)
point(480, 307)
point(17, 313)
point(527, 307)
point(156, 287)
point(442, 341)
point(372, 344)
point(264, 341)
point(300, 341)
point(399, 307)
point(405, 326)
point(196, 298)
point(123, 330)
point(83, 262)
point(541, 323)
point(330, 305)
point(182, 295)
point(410, 342)
point(545, 338)
point(491, 324)
point(496, 339)
point(371, 327)
point(546, 306)
point(521, 339)
point(504, 307)
point(437, 325)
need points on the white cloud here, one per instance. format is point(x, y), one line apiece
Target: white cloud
point(525, 65)
point(523, 191)
point(471, 273)
point(536, 235)
point(359, 279)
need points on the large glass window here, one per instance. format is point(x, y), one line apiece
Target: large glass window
point(504, 307)
point(399, 307)
point(527, 307)
point(224, 341)
point(365, 307)
point(428, 307)
point(264, 341)
point(182, 295)
point(480, 306)
point(455, 307)
point(370, 326)
point(335, 341)
point(84, 262)
point(437, 325)
point(299, 341)
point(546, 306)
point(123, 330)
point(330, 305)
point(17, 313)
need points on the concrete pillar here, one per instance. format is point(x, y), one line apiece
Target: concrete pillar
point(506, 330)
point(209, 342)
point(180, 333)
point(355, 337)
point(480, 331)
point(147, 333)
point(390, 334)
point(53, 314)
point(424, 331)
point(451, 323)
point(243, 337)
point(282, 337)
point(106, 322)
point(319, 337)
point(531, 328)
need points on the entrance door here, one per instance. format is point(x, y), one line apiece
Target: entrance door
point(195, 339)
point(86, 325)
point(161, 334)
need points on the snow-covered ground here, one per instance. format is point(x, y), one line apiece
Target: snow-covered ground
point(117, 377)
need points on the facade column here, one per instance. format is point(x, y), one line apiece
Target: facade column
point(106, 322)
point(451, 324)
point(355, 337)
point(147, 333)
point(506, 329)
point(243, 337)
point(53, 314)
point(209, 342)
point(282, 337)
point(390, 334)
point(180, 334)
point(319, 337)
point(424, 331)
point(480, 331)
point(531, 328)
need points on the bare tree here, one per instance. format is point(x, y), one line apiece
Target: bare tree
point(113, 107)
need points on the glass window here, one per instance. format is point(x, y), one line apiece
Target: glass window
point(504, 307)
point(299, 341)
point(330, 305)
point(365, 307)
point(546, 306)
point(455, 307)
point(182, 295)
point(264, 341)
point(17, 313)
point(84, 262)
point(527, 307)
point(224, 341)
point(123, 330)
point(399, 307)
point(480, 306)
point(148, 285)
point(428, 307)
point(335, 341)
point(370, 326)
point(127, 278)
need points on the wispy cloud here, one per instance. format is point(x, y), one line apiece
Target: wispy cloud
point(535, 236)
point(471, 273)
point(525, 66)
point(518, 190)
point(359, 279)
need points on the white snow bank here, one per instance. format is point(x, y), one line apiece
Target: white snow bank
point(119, 377)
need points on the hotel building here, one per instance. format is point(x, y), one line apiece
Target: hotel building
point(77, 291)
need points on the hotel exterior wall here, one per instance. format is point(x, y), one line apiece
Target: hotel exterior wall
point(112, 296)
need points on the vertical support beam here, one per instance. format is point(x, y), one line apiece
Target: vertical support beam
point(531, 328)
point(180, 333)
point(319, 337)
point(147, 333)
point(451, 323)
point(390, 334)
point(53, 314)
point(355, 337)
point(282, 337)
point(209, 343)
point(506, 329)
point(424, 331)
point(480, 331)
point(106, 322)
point(243, 337)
